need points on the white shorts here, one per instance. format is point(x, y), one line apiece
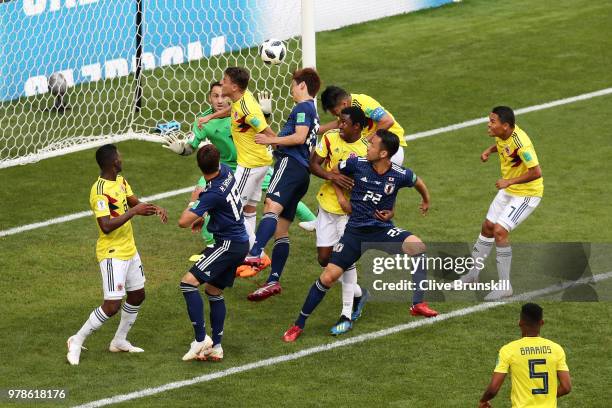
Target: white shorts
point(249, 183)
point(329, 228)
point(509, 210)
point(119, 276)
point(398, 157)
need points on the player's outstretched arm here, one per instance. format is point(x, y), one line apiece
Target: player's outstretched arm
point(485, 155)
point(384, 215)
point(298, 138)
point(565, 383)
point(265, 102)
point(223, 113)
point(421, 187)
point(533, 173)
point(316, 167)
point(174, 143)
point(344, 203)
point(188, 218)
point(133, 201)
point(496, 382)
point(385, 122)
point(328, 126)
point(108, 224)
point(338, 180)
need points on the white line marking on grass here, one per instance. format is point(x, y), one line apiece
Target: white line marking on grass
point(76, 216)
point(70, 217)
point(528, 109)
point(337, 344)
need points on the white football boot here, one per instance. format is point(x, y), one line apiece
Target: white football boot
point(499, 294)
point(212, 353)
point(197, 347)
point(117, 346)
point(74, 350)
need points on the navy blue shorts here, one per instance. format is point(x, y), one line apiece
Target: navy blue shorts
point(351, 246)
point(289, 184)
point(218, 266)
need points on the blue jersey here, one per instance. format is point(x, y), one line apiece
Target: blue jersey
point(302, 114)
point(221, 200)
point(373, 191)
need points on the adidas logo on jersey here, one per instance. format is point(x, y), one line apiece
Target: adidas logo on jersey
point(364, 179)
point(276, 193)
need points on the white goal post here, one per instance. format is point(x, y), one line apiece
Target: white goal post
point(131, 64)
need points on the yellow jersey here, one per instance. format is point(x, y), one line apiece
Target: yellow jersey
point(374, 112)
point(247, 121)
point(533, 363)
point(110, 198)
point(516, 156)
point(335, 149)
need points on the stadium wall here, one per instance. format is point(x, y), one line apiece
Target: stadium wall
point(91, 40)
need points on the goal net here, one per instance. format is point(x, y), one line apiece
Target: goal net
point(129, 65)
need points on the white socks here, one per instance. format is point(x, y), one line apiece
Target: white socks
point(504, 260)
point(96, 319)
point(128, 317)
point(482, 249)
point(349, 290)
point(250, 223)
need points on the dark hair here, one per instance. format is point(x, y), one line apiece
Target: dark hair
point(531, 314)
point(208, 159)
point(310, 77)
point(240, 76)
point(105, 155)
point(212, 85)
point(332, 96)
point(506, 114)
point(389, 141)
point(356, 114)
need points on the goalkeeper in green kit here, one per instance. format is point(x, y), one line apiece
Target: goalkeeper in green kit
point(213, 126)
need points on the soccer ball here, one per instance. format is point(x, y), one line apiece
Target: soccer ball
point(272, 51)
point(57, 84)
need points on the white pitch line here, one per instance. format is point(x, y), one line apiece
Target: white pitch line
point(76, 216)
point(70, 217)
point(337, 344)
point(520, 111)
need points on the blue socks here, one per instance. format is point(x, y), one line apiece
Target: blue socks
point(418, 276)
point(195, 309)
point(315, 296)
point(217, 317)
point(280, 253)
point(265, 231)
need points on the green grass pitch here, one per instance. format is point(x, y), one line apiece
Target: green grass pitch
point(431, 68)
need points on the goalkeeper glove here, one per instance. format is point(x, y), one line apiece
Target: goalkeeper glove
point(173, 143)
point(265, 101)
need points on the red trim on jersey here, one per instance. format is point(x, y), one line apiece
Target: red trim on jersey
point(111, 206)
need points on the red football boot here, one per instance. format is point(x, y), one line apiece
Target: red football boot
point(422, 309)
point(265, 291)
point(292, 334)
